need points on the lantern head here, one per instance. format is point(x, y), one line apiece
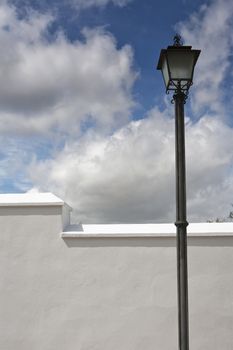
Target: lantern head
point(177, 64)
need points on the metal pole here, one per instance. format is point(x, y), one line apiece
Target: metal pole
point(181, 222)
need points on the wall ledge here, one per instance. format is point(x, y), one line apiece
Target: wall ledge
point(30, 199)
point(146, 230)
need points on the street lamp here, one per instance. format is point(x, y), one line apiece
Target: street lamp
point(177, 65)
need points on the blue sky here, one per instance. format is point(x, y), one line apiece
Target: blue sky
point(84, 112)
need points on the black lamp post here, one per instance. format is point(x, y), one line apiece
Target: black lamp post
point(177, 65)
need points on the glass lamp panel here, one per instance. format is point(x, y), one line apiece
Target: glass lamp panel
point(165, 71)
point(181, 64)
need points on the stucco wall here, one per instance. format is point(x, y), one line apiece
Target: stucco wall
point(107, 293)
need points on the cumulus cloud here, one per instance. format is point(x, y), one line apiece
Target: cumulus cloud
point(108, 168)
point(51, 85)
point(123, 178)
point(210, 29)
point(129, 177)
point(209, 168)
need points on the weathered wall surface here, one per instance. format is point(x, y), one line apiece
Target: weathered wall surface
point(107, 293)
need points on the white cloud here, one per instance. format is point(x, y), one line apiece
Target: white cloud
point(126, 173)
point(209, 168)
point(82, 4)
point(129, 177)
point(119, 178)
point(210, 30)
point(52, 85)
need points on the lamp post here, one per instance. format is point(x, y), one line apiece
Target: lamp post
point(177, 65)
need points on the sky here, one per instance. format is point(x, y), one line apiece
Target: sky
point(84, 113)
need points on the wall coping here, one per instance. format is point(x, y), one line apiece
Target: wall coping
point(30, 199)
point(35, 199)
point(146, 230)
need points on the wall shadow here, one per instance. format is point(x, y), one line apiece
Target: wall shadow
point(217, 241)
point(89, 242)
point(30, 210)
point(119, 242)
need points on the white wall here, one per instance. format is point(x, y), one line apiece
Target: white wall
point(108, 292)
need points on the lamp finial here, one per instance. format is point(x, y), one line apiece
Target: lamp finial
point(177, 40)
